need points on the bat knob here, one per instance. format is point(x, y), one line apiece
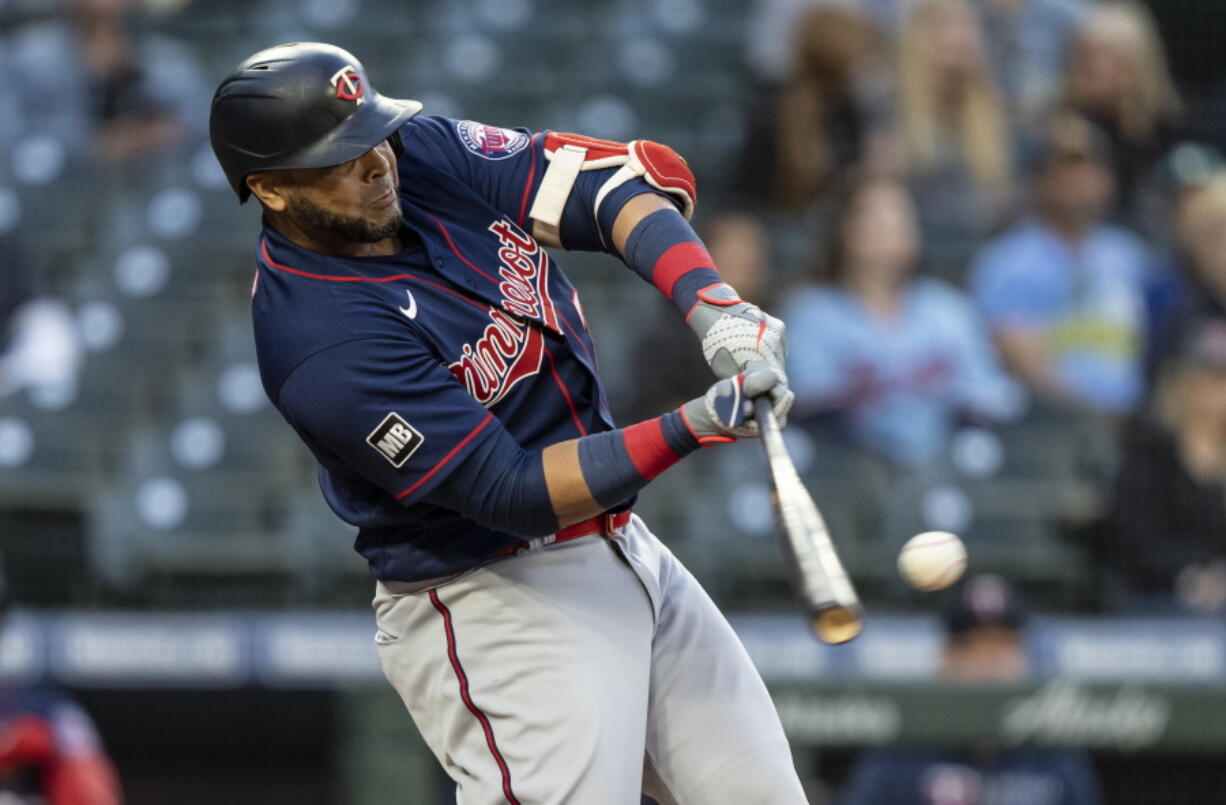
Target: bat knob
point(837, 625)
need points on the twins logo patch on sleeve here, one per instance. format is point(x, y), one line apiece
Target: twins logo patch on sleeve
point(490, 142)
point(395, 440)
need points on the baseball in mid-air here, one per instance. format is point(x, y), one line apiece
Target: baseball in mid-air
point(932, 560)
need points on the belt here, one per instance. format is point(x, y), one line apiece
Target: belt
point(606, 525)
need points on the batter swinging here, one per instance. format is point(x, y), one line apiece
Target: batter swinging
point(414, 332)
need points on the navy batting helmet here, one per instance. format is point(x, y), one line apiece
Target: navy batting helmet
point(300, 105)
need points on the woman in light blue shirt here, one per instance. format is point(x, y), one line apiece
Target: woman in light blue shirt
point(891, 359)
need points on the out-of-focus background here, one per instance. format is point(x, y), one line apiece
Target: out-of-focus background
point(996, 229)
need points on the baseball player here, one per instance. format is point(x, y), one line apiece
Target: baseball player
point(413, 330)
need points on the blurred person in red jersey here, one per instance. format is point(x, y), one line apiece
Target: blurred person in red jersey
point(952, 136)
point(1117, 77)
point(95, 81)
point(1165, 534)
point(50, 752)
point(985, 625)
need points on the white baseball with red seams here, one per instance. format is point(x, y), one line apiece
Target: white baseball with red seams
point(932, 560)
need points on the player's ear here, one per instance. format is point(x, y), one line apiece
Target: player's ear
point(270, 192)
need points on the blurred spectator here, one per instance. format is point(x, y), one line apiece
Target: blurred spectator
point(1201, 231)
point(984, 643)
point(91, 79)
point(1117, 77)
point(38, 343)
point(1195, 29)
point(1063, 291)
point(668, 363)
point(50, 752)
point(772, 24)
point(953, 135)
point(889, 358)
point(1026, 43)
point(830, 105)
point(1166, 529)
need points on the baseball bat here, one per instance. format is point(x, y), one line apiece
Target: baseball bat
point(828, 595)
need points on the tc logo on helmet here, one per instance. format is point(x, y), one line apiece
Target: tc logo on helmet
point(349, 86)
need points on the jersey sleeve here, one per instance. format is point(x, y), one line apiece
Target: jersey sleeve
point(388, 410)
point(502, 165)
point(507, 166)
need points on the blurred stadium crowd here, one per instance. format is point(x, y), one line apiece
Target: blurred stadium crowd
point(995, 229)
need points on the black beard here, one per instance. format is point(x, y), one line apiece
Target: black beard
point(356, 230)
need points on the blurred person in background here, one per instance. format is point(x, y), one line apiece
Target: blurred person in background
point(1165, 533)
point(953, 139)
point(887, 358)
point(91, 78)
point(1117, 77)
point(1200, 294)
point(1026, 44)
point(830, 107)
point(39, 348)
point(985, 644)
point(50, 752)
point(1063, 291)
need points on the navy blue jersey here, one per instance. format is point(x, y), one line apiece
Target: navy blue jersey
point(393, 370)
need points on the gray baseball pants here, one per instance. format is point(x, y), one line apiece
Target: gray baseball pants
point(584, 673)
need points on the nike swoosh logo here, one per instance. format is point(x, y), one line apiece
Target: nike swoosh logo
point(411, 310)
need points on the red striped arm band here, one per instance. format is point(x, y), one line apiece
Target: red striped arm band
point(664, 249)
point(617, 464)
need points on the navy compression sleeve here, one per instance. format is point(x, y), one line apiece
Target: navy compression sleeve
point(502, 486)
point(664, 250)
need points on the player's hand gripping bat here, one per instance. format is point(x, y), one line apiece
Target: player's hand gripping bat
point(823, 584)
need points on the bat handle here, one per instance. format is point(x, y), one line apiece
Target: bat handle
point(764, 412)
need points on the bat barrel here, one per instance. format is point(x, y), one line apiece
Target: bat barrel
point(835, 611)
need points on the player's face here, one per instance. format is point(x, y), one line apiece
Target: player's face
point(356, 201)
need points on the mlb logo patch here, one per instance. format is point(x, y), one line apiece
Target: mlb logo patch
point(395, 440)
point(491, 142)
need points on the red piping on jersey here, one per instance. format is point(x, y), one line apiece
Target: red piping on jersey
point(472, 434)
point(462, 678)
point(454, 293)
point(456, 251)
point(523, 202)
point(570, 403)
point(578, 338)
point(329, 277)
point(282, 267)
